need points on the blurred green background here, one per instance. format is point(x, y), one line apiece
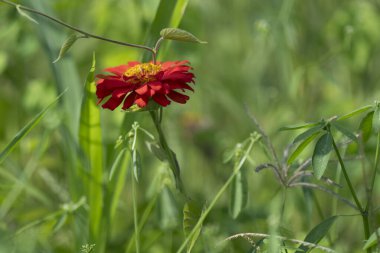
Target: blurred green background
point(288, 62)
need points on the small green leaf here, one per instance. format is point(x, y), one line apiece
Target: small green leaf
point(191, 214)
point(301, 147)
point(168, 212)
point(239, 193)
point(156, 150)
point(180, 35)
point(295, 127)
point(365, 126)
point(321, 154)
point(136, 160)
point(376, 119)
point(344, 131)
point(60, 222)
point(317, 233)
point(372, 240)
point(308, 133)
point(355, 112)
point(24, 14)
point(229, 154)
point(67, 45)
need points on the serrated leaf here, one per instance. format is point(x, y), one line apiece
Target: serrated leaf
point(365, 126)
point(67, 45)
point(26, 129)
point(191, 214)
point(321, 154)
point(180, 35)
point(136, 160)
point(317, 233)
point(295, 127)
point(376, 119)
point(239, 193)
point(344, 131)
point(372, 240)
point(307, 133)
point(301, 147)
point(24, 14)
point(355, 112)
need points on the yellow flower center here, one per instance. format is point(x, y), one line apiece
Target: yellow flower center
point(143, 72)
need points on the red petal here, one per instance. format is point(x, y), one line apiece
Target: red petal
point(178, 97)
point(180, 86)
point(161, 99)
point(142, 90)
point(141, 101)
point(180, 76)
point(105, 87)
point(155, 86)
point(129, 100)
point(118, 70)
point(113, 102)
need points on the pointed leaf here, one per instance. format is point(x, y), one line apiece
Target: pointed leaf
point(295, 127)
point(136, 160)
point(355, 112)
point(321, 154)
point(344, 131)
point(67, 45)
point(180, 35)
point(156, 150)
point(365, 126)
point(372, 240)
point(376, 119)
point(25, 130)
point(317, 233)
point(24, 14)
point(191, 214)
point(301, 147)
point(228, 154)
point(239, 193)
point(307, 133)
point(90, 140)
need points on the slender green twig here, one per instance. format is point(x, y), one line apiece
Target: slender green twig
point(135, 217)
point(219, 194)
point(363, 212)
point(77, 29)
point(374, 173)
point(169, 153)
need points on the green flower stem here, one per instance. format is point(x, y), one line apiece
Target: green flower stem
point(370, 194)
point(77, 29)
point(363, 212)
point(135, 217)
point(219, 194)
point(169, 153)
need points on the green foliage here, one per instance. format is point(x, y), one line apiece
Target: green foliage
point(321, 154)
point(180, 35)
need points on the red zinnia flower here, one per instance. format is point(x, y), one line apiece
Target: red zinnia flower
point(136, 83)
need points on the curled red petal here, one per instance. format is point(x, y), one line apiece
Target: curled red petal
point(113, 102)
point(178, 97)
point(161, 99)
point(105, 87)
point(142, 90)
point(129, 100)
point(141, 101)
point(180, 85)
